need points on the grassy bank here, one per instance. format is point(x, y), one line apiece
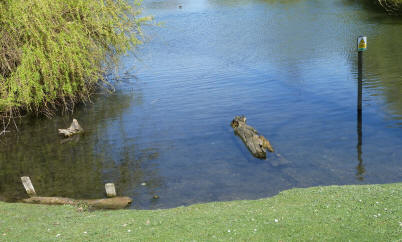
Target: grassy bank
point(56, 53)
point(355, 213)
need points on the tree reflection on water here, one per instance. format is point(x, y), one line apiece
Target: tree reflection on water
point(80, 166)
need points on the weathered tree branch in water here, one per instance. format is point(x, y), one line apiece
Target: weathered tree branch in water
point(74, 128)
point(256, 143)
point(106, 203)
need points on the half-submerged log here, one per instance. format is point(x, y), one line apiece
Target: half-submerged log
point(74, 128)
point(256, 143)
point(106, 203)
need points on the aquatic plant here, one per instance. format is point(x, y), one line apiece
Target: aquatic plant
point(54, 54)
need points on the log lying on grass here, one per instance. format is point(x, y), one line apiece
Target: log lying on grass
point(74, 128)
point(106, 203)
point(256, 143)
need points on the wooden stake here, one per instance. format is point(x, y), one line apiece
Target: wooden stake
point(110, 190)
point(26, 181)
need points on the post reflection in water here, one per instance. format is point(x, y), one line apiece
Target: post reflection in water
point(360, 167)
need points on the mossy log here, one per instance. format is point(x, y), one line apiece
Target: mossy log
point(256, 143)
point(75, 128)
point(106, 203)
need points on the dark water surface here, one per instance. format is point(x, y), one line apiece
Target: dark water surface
point(289, 66)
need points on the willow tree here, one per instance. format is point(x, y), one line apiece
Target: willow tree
point(55, 53)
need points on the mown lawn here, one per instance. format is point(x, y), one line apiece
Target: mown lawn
point(334, 213)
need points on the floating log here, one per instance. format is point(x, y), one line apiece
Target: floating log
point(106, 203)
point(110, 190)
point(26, 181)
point(256, 143)
point(74, 128)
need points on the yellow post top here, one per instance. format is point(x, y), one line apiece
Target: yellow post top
point(362, 43)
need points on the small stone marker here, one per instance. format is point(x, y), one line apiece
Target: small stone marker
point(110, 190)
point(26, 181)
point(362, 43)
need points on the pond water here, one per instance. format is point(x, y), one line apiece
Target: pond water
point(289, 66)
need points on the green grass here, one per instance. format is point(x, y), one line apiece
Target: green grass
point(334, 213)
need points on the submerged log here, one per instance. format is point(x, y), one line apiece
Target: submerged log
point(256, 143)
point(74, 128)
point(106, 203)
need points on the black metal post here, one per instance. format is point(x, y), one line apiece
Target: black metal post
point(360, 167)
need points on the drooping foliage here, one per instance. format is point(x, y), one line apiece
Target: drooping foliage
point(392, 7)
point(54, 53)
